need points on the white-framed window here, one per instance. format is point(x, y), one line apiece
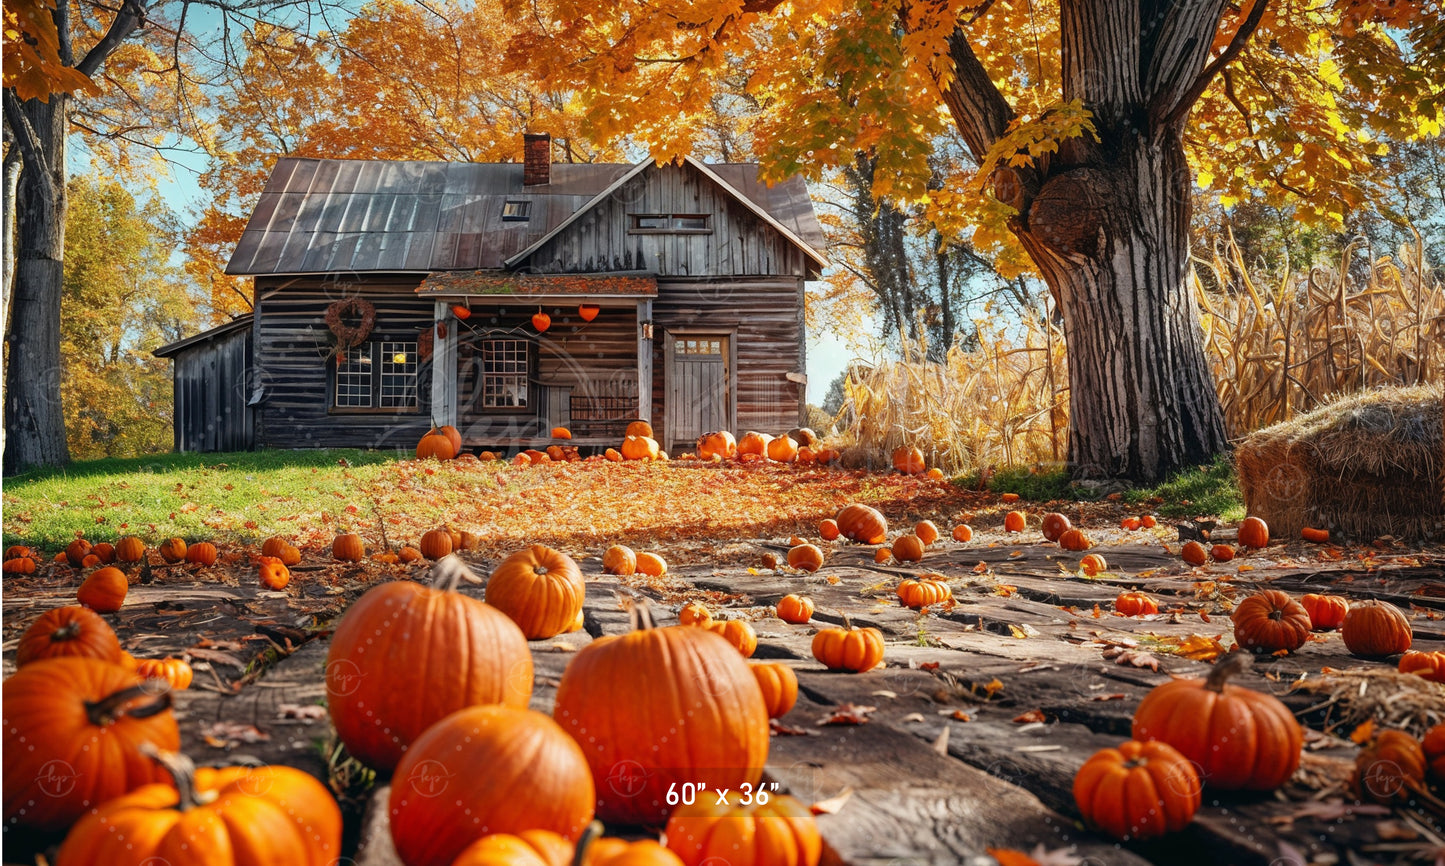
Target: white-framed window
point(378, 374)
point(505, 368)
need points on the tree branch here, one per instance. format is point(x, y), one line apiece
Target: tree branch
point(979, 110)
point(131, 16)
point(1173, 106)
point(24, 137)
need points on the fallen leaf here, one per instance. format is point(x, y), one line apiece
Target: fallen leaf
point(1030, 716)
point(1363, 731)
point(831, 805)
point(230, 733)
point(928, 666)
point(1329, 810)
point(1017, 632)
point(783, 730)
point(847, 714)
point(981, 568)
point(1198, 647)
point(1117, 696)
point(1135, 658)
point(959, 715)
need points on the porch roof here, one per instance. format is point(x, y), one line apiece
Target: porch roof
point(505, 284)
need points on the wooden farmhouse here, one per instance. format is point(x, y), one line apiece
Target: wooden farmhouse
point(506, 299)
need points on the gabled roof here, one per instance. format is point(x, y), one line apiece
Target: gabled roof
point(325, 216)
point(235, 324)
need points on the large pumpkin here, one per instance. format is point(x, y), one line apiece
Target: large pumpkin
point(541, 589)
point(453, 436)
point(406, 655)
point(908, 460)
point(1375, 629)
point(1390, 768)
point(1140, 790)
point(1326, 611)
point(235, 815)
point(1253, 532)
point(640, 448)
point(693, 713)
point(104, 590)
point(435, 444)
point(851, 649)
point(779, 686)
point(721, 445)
point(783, 449)
point(862, 524)
point(780, 832)
point(485, 770)
point(754, 442)
point(68, 631)
point(1271, 621)
point(1239, 738)
point(73, 731)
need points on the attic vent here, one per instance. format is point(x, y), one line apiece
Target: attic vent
point(516, 211)
point(676, 223)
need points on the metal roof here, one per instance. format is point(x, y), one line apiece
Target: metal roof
point(235, 324)
point(319, 216)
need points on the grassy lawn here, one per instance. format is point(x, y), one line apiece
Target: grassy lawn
point(1212, 489)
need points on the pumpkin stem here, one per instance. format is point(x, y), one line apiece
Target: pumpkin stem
point(1232, 664)
point(591, 834)
point(181, 769)
point(69, 631)
point(110, 709)
point(639, 614)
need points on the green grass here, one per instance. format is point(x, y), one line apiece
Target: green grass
point(1212, 489)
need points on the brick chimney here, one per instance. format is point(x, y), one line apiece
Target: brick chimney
point(536, 158)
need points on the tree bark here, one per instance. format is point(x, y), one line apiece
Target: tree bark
point(1111, 240)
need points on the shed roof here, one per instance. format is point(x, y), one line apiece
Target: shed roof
point(318, 216)
point(236, 324)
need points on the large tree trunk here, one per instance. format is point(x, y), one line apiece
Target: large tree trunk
point(1111, 239)
point(34, 422)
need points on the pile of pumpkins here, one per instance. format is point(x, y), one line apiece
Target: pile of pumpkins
point(799, 446)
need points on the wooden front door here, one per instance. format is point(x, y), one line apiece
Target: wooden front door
point(699, 381)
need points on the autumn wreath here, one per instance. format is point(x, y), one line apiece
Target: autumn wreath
point(348, 336)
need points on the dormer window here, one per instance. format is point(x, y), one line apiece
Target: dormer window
point(516, 211)
point(673, 223)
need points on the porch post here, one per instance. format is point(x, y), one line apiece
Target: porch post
point(444, 370)
point(644, 360)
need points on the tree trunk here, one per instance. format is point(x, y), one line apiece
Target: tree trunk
point(34, 422)
point(1111, 240)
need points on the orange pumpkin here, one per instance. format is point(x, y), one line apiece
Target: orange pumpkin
point(76, 551)
point(963, 532)
point(613, 455)
point(90, 561)
point(779, 686)
point(15, 551)
point(541, 589)
point(720, 445)
point(1271, 621)
point(1148, 521)
point(561, 433)
point(639, 428)
point(851, 649)
point(783, 449)
point(435, 544)
point(1129, 524)
point(527, 848)
point(173, 549)
point(806, 456)
point(1075, 540)
point(926, 531)
point(908, 460)
point(281, 549)
point(1389, 769)
point(1326, 611)
point(1375, 629)
point(1318, 536)
point(1054, 525)
point(908, 548)
point(1429, 665)
point(924, 592)
point(1239, 738)
point(104, 551)
point(176, 672)
point(882, 554)
point(828, 529)
point(1135, 604)
point(620, 852)
point(1254, 532)
point(471, 653)
point(19, 565)
point(435, 444)
point(640, 448)
point(619, 559)
point(806, 557)
point(410, 554)
point(651, 564)
point(486, 770)
point(780, 832)
point(1140, 790)
point(1221, 553)
point(935, 474)
point(68, 631)
point(724, 743)
point(1014, 521)
point(754, 442)
point(104, 591)
point(72, 738)
point(1194, 553)
point(694, 613)
point(453, 436)
point(862, 524)
point(202, 553)
point(348, 547)
point(796, 609)
point(1093, 564)
point(1434, 746)
point(738, 633)
point(769, 560)
point(273, 572)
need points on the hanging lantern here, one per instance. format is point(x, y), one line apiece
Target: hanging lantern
point(461, 312)
point(588, 312)
point(541, 321)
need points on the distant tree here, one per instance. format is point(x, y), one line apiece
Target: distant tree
point(833, 399)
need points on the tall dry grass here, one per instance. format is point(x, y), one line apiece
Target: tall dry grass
point(1276, 352)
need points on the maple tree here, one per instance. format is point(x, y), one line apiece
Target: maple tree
point(1086, 126)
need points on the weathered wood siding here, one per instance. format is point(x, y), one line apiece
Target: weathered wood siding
point(739, 243)
point(212, 383)
point(291, 359)
point(765, 317)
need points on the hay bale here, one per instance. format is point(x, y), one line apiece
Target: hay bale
point(1362, 466)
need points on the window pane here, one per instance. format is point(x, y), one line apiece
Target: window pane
point(650, 222)
point(690, 222)
point(353, 378)
point(398, 375)
point(504, 373)
point(516, 210)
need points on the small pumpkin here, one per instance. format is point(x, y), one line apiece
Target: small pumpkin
point(694, 613)
point(1254, 532)
point(1130, 524)
point(882, 554)
point(15, 551)
point(1054, 525)
point(924, 592)
point(68, 631)
point(754, 442)
point(273, 572)
point(1375, 629)
point(805, 557)
point(541, 589)
point(1317, 536)
point(1014, 521)
point(862, 524)
point(1434, 746)
point(1389, 769)
point(1194, 553)
point(19, 565)
point(806, 456)
point(1429, 665)
point(963, 532)
point(779, 832)
point(640, 448)
point(1093, 564)
point(1075, 540)
point(783, 449)
point(651, 564)
point(173, 549)
point(619, 559)
point(828, 529)
point(908, 548)
point(176, 672)
point(621, 852)
point(410, 554)
point(926, 531)
point(613, 455)
point(738, 633)
point(1140, 790)
point(1135, 604)
point(849, 649)
point(1221, 553)
point(281, 549)
point(1271, 621)
point(908, 460)
point(348, 547)
point(435, 543)
point(104, 551)
point(77, 550)
point(768, 560)
point(719, 444)
point(90, 561)
point(1326, 611)
point(796, 609)
point(561, 433)
point(639, 428)
point(1238, 737)
point(779, 686)
point(935, 474)
point(1148, 521)
point(202, 553)
point(104, 590)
